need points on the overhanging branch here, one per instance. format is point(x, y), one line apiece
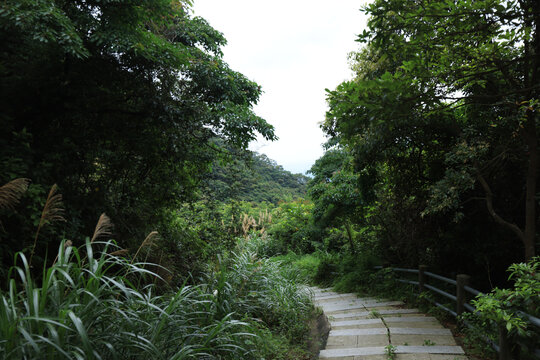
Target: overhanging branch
point(491, 210)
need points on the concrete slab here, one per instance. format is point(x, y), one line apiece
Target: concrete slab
point(331, 295)
point(424, 325)
point(356, 332)
point(336, 324)
point(329, 299)
point(339, 304)
point(372, 323)
point(423, 340)
point(372, 340)
point(429, 350)
point(413, 357)
point(361, 328)
point(412, 352)
point(418, 331)
point(360, 314)
point(447, 357)
point(383, 304)
point(371, 357)
point(378, 350)
point(334, 342)
point(352, 306)
point(394, 319)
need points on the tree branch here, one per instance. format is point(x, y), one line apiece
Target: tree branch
point(496, 217)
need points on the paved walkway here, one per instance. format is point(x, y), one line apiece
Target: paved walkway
point(371, 329)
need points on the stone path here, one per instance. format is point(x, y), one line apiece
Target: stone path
point(371, 329)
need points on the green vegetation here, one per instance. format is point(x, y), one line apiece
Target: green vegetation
point(506, 308)
point(432, 155)
point(123, 104)
point(127, 107)
point(95, 304)
point(390, 351)
point(432, 151)
point(253, 177)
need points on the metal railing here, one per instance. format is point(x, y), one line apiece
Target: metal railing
point(460, 298)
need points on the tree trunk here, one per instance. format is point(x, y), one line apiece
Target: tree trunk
point(531, 137)
point(350, 236)
point(529, 238)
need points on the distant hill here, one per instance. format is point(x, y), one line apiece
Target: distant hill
point(255, 177)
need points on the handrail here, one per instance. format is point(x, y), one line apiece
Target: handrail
point(460, 298)
point(410, 282)
point(441, 292)
point(472, 291)
point(533, 319)
point(439, 277)
point(439, 305)
point(414, 271)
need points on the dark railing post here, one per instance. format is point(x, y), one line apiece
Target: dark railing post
point(504, 346)
point(421, 278)
point(462, 280)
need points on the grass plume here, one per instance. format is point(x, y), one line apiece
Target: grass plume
point(104, 227)
point(149, 241)
point(52, 211)
point(11, 193)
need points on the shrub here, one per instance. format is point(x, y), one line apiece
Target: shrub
point(303, 266)
point(507, 308)
point(95, 306)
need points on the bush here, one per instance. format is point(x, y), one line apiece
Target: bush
point(347, 272)
point(507, 307)
point(87, 306)
point(304, 266)
point(327, 270)
point(263, 289)
point(292, 226)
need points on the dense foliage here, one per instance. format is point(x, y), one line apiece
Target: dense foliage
point(256, 178)
point(509, 311)
point(127, 107)
point(117, 102)
point(433, 144)
point(93, 304)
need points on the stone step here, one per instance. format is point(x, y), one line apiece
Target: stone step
point(345, 307)
point(363, 323)
point(363, 314)
point(333, 294)
point(392, 330)
point(341, 298)
point(364, 328)
point(347, 300)
point(418, 322)
point(381, 350)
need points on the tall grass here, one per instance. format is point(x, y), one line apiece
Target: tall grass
point(263, 289)
point(95, 306)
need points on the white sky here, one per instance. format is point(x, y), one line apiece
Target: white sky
point(294, 49)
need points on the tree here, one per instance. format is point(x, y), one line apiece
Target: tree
point(335, 194)
point(118, 102)
point(397, 151)
point(254, 177)
point(468, 67)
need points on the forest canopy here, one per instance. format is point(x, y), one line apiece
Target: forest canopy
point(118, 102)
point(437, 134)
